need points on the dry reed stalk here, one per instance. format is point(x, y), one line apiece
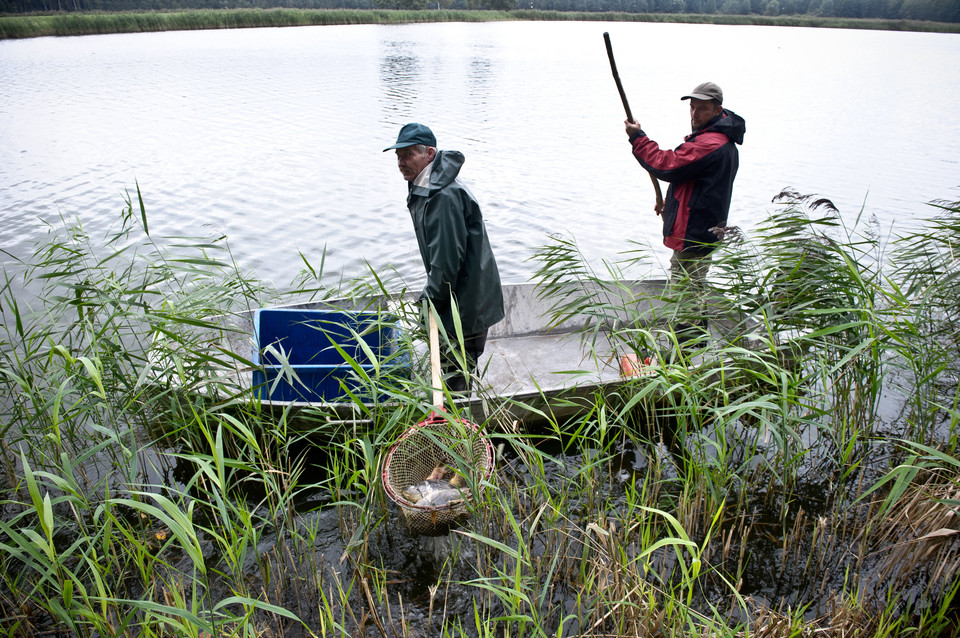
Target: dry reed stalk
point(742, 531)
point(773, 623)
point(821, 547)
point(847, 618)
point(646, 621)
point(403, 613)
point(924, 533)
point(374, 612)
point(693, 513)
point(602, 559)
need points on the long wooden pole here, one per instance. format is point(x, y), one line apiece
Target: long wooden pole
point(626, 107)
point(434, 336)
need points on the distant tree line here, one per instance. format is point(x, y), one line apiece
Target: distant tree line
point(932, 10)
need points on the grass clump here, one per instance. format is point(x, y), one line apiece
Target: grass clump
point(793, 472)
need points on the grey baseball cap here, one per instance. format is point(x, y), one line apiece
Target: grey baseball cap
point(414, 133)
point(706, 91)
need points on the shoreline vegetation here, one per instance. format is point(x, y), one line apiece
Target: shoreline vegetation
point(96, 23)
point(795, 477)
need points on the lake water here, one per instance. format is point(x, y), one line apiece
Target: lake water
point(275, 136)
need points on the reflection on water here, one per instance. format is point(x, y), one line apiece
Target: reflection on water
point(399, 74)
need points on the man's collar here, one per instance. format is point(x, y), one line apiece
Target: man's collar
point(423, 179)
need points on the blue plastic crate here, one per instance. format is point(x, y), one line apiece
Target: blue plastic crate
point(306, 340)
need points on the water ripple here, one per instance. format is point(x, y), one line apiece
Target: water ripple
point(275, 136)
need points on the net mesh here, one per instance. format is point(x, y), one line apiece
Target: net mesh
point(454, 443)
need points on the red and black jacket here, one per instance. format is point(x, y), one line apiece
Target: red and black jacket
point(700, 173)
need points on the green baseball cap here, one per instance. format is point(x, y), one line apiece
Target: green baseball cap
point(414, 133)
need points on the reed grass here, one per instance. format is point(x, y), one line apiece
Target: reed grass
point(758, 485)
point(91, 23)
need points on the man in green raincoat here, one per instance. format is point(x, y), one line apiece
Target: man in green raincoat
point(461, 270)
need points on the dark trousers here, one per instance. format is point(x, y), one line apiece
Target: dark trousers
point(688, 276)
point(458, 374)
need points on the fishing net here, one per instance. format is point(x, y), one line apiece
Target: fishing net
point(455, 444)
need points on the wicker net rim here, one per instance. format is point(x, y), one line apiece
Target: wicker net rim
point(397, 475)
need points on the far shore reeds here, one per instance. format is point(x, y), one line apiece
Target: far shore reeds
point(92, 23)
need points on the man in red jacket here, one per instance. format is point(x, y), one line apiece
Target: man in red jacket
point(700, 172)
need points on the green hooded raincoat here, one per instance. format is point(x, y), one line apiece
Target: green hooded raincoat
point(455, 249)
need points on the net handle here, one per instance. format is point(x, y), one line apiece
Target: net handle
point(435, 361)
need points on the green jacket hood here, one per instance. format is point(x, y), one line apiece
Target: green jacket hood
point(446, 167)
point(443, 171)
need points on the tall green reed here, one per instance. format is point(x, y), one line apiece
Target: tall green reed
point(199, 509)
point(88, 375)
point(810, 327)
